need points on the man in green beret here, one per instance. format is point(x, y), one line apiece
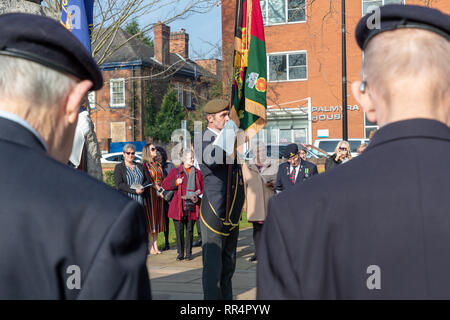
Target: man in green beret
point(222, 203)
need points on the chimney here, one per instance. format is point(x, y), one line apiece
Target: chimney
point(212, 65)
point(179, 43)
point(161, 34)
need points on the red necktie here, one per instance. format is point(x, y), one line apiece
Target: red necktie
point(293, 175)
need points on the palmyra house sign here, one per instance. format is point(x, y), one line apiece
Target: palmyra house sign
point(330, 112)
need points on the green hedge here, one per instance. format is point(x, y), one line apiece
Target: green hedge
point(108, 178)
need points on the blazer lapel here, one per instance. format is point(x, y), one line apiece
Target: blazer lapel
point(301, 172)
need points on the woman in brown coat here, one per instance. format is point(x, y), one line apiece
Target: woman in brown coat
point(154, 200)
point(259, 180)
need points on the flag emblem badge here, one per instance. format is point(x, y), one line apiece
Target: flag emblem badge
point(261, 85)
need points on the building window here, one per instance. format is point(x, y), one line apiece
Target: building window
point(179, 90)
point(283, 11)
point(118, 131)
point(188, 100)
point(287, 66)
point(369, 127)
point(368, 3)
point(91, 99)
point(117, 93)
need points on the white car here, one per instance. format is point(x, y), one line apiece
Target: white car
point(117, 157)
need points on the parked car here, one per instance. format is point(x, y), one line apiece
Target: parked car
point(117, 157)
point(313, 154)
point(330, 144)
point(316, 156)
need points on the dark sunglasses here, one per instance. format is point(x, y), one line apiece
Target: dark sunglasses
point(342, 149)
point(152, 149)
point(128, 153)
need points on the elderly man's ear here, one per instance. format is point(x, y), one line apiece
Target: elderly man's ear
point(75, 99)
point(361, 94)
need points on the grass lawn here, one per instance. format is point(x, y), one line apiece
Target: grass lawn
point(172, 240)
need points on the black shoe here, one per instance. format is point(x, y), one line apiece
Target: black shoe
point(189, 257)
point(252, 259)
point(179, 258)
point(197, 243)
point(166, 247)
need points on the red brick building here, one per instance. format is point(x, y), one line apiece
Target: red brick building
point(136, 72)
point(303, 44)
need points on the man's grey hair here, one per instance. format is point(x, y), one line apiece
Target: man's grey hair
point(129, 146)
point(415, 54)
point(33, 82)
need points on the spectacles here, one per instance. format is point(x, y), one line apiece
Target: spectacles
point(128, 153)
point(343, 149)
point(152, 149)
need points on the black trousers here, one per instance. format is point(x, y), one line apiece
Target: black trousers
point(257, 228)
point(180, 226)
point(166, 218)
point(219, 263)
point(199, 232)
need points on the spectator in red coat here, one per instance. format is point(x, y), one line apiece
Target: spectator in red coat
point(187, 181)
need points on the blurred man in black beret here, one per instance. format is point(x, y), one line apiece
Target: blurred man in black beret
point(378, 226)
point(63, 234)
point(294, 170)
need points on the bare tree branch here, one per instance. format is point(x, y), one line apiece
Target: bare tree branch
point(112, 15)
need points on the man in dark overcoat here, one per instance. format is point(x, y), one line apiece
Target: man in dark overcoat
point(223, 182)
point(63, 234)
point(378, 226)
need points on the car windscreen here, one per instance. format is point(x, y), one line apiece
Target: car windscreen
point(315, 153)
point(118, 157)
point(328, 146)
point(354, 145)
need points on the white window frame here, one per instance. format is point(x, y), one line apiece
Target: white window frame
point(266, 15)
point(287, 65)
point(382, 3)
point(116, 105)
point(91, 99)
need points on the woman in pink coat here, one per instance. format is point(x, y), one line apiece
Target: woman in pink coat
point(187, 182)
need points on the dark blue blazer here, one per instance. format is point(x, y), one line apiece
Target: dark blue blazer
point(53, 217)
point(307, 170)
point(213, 166)
point(375, 227)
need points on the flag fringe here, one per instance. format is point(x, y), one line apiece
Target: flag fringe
point(256, 108)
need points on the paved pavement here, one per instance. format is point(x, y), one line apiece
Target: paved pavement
point(182, 280)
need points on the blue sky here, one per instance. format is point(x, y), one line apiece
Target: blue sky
point(204, 29)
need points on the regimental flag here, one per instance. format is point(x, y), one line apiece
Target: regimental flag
point(248, 96)
point(77, 17)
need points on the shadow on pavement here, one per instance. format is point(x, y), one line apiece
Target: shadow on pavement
point(182, 280)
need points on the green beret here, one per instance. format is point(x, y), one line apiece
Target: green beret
point(215, 105)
